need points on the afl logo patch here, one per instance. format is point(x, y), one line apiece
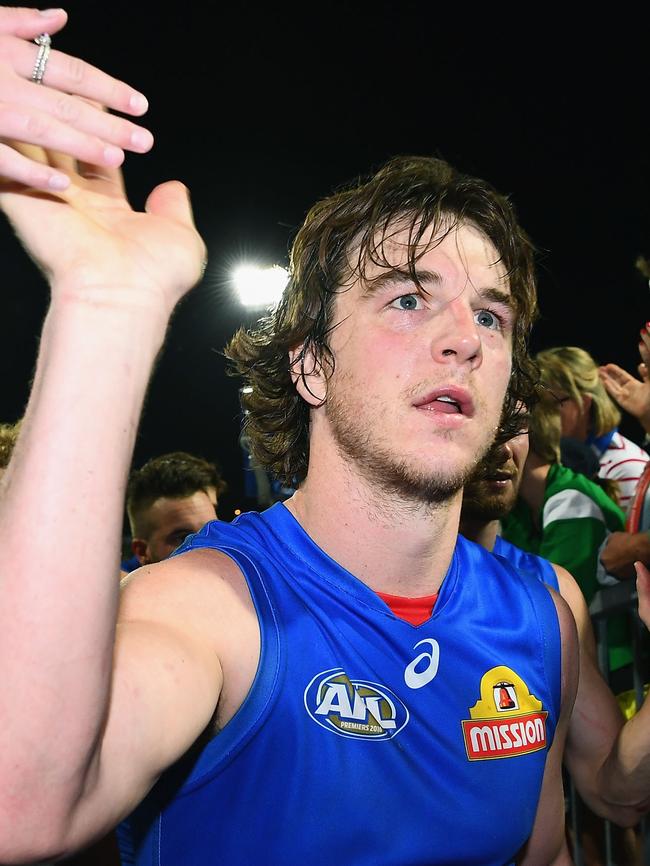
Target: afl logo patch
point(354, 708)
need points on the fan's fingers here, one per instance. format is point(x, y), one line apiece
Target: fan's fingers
point(19, 167)
point(29, 23)
point(72, 75)
point(84, 115)
point(35, 127)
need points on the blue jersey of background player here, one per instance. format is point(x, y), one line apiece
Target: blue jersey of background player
point(597, 736)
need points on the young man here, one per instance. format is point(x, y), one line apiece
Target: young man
point(567, 518)
point(345, 733)
point(167, 499)
point(604, 757)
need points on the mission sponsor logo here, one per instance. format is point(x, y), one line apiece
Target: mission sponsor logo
point(355, 708)
point(506, 720)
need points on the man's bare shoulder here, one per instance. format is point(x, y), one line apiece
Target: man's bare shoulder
point(194, 578)
point(201, 593)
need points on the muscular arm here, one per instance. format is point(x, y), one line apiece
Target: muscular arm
point(622, 550)
point(547, 841)
point(115, 276)
point(603, 754)
point(625, 775)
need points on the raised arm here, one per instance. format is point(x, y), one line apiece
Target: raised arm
point(115, 276)
point(631, 394)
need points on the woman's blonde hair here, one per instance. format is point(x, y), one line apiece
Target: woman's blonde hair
point(544, 429)
point(574, 371)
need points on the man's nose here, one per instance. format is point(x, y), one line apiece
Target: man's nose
point(505, 453)
point(458, 339)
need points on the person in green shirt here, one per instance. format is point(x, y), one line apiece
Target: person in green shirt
point(567, 518)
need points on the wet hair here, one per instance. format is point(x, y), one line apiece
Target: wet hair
point(176, 475)
point(572, 369)
point(8, 438)
point(340, 237)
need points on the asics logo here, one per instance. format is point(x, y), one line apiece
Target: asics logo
point(427, 662)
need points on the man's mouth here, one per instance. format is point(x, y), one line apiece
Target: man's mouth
point(499, 478)
point(448, 401)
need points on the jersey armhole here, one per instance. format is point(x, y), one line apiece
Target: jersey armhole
point(201, 764)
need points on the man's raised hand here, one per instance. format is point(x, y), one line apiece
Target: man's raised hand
point(94, 247)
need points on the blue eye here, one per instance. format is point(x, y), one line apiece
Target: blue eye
point(407, 302)
point(487, 320)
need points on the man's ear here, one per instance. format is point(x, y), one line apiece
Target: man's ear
point(139, 547)
point(308, 375)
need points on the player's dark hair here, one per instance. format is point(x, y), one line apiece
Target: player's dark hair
point(340, 237)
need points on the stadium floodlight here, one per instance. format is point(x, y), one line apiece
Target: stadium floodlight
point(259, 287)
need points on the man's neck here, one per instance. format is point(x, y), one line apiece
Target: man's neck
point(392, 545)
point(481, 531)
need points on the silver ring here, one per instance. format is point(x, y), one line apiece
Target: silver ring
point(44, 43)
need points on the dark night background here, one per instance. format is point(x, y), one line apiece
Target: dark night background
point(262, 109)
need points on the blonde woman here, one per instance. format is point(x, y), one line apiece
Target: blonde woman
point(589, 415)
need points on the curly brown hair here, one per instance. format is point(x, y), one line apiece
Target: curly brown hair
point(339, 238)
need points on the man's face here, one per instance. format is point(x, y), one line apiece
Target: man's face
point(172, 520)
point(572, 418)
point(421, 373)
point(492, 492)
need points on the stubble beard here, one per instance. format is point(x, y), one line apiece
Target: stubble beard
point(357, 442)
point(482, 506)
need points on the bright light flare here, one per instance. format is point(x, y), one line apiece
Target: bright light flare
point(259, 287)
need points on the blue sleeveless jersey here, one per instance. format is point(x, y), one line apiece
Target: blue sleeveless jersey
point(364, 740)
point(530, 563)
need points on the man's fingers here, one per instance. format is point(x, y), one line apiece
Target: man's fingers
point(172, 201)
point(16, 166)
point(29, 23)
point(643, 372)
point(61, 161)
point(111, 179)
point(69, 74)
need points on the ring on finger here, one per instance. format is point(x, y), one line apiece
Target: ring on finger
point(44, 42)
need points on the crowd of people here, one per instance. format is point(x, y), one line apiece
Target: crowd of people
point(217, 703)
